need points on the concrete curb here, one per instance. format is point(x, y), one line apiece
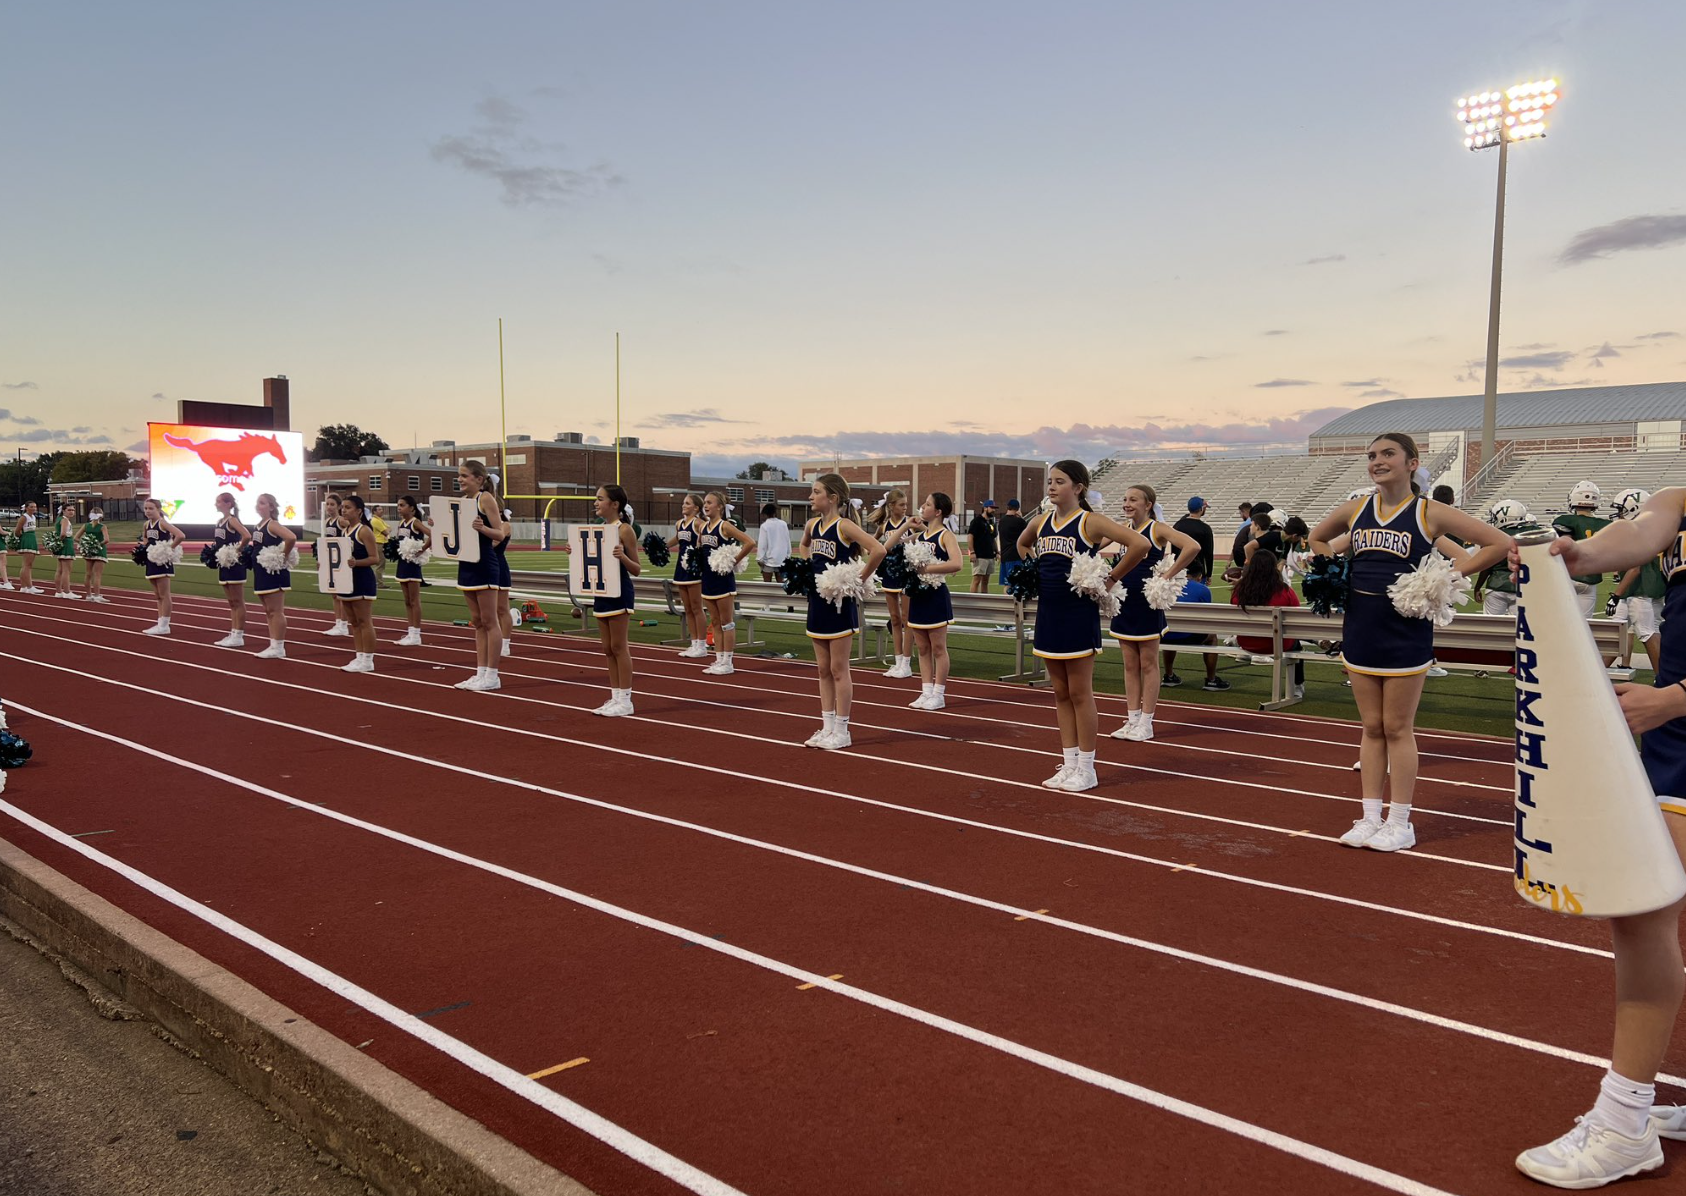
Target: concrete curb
point(380, 1125)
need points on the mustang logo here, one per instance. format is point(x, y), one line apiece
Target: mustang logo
point(230, 460)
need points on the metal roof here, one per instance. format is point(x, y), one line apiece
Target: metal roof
point(1530, 409)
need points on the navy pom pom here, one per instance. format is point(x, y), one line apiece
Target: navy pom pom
point(1023, 583)
point(208, 556)
point(13, 751)
point(797, 573)
point(655, 550)
point(1325, 584)
point(138, 554)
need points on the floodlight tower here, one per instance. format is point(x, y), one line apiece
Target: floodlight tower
point(1497, 118)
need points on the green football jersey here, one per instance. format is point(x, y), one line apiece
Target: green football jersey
point(1580, 527)
point(1499, 578)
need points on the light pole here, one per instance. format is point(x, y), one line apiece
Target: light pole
point(1497, 118)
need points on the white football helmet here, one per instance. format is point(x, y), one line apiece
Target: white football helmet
point(1626, 504)
point(1506, 512)
point(1361, 492)
point(1278, 517)
point(1585, 494)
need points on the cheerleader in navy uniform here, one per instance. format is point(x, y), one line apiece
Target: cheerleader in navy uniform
point(159, 530)
point(720, 590)
point(888, 518)
point(1137, 626)
point(271, 587)
point(615, 614)
point(230, 532)
point(1618, 1136)
point(1068, 624)
point(478, 580)
point(411, 527)
point(833, 540)
point(360, 603)
point(332, 525)
point(687, 573)
point(1386, 654)
point(500, 549)
point(930, 609)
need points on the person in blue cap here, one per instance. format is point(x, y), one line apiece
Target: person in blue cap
point(981, 532)
point(1194, 525)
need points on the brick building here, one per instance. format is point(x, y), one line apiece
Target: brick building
point(967, 480)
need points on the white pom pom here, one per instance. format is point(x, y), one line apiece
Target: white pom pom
point(1089, 576)
point(228, 556)
point(272, 559)
point(725, 560)
point(162, 552)
point(1433, 591)
point(3, 726)
point(293, 557)
point(1162, 590)
point(840, 583)
point(413, 550)
point(919, 555)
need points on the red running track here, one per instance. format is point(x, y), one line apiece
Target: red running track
point(1173, 981)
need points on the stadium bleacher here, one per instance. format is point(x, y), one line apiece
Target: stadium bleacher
point(1303, 484)
point(1542, 481)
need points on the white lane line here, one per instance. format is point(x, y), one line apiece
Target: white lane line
point(901, 882)
point(576, 1114)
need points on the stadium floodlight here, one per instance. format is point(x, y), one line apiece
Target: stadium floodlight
point(1498, 118)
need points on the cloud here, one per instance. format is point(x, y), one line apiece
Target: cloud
point(701, 417)
point(14, 417)
point(57, 437)
point(1608, 350)
point(1274, 332)
point(82, 431)
point(1380, 392)
point(1320, 261)
point(607, 264)
point(1275, 382)
point(1553, 360)
point(160, 397)
point(1619, 236)
point(139, 446)
point(19, 386)
point(1656, 336)
point(1364, 383)
point(531, 172)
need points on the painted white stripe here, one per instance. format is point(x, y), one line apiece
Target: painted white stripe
point(606, 1131)
point(1320, 990)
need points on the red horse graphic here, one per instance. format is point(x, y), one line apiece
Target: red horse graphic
point(230, 460)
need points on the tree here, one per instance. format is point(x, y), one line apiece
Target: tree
point(99, 466)
point(26, 481)
point(342, 441)
point(756, 471)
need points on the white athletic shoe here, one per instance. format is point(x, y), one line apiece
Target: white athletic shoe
point(1058, 780)
point(505, 649)
point(922, 702)
point(101, 598)
point(359, 664)
point(899, 671)
point(1361, 833)
point(30, 590)
point(695, 652)
point(489, 683)
point(614, 708)
point(1358, 766)
point(1435, 670)
point(273, 652)
point(1297, 693)
point(1394, 836)
point(472, 683)
point(338, 629)
point(1143, 730)
point(1670, 1121)
point(1079, 779)
point(157, 629)
point(233, 639)
point(6, 585)
point(720, 668)
point(936, 702)
point(1590, 1156)
point(835, 742)
point(411, 638)
point(74, 597)
point(815, 739)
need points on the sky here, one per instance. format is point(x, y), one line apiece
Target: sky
point(925, 226)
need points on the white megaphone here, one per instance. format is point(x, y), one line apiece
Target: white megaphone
point(1590, 839)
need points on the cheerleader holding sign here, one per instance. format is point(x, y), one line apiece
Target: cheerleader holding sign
point(930, 610)
point(1387, 654)
point(833, 540)
point(1068, 624)
point(614, 614)
point(479, 580)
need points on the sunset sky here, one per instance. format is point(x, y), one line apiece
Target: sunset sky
point(1039, 230)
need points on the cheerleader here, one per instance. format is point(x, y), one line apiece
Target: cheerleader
point(500, 549)
point(28, 546)
point(332, 525)
point(1137, 626)
point(271, 588)
point(1617, 1137)
point(719, 590)
point(159, 530)
point(230, 532)
point(66, 553)
point(1068, 624)
point(833, 540)
point(479, 580)
point(359, 604)
point(615, 614)
point(411, 527)
point(930, 610)
point(95, 548)
point(888, 518)
point(687, 573)
point(1386, 654)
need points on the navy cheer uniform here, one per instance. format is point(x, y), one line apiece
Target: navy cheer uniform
point(685, 562)
point(500, 550)
point(409, 570)
point(483, 573)
point(1136, 620)
point(221, 537)
point(608, 608)
point(931, 607)
point(1663, 749)
point(891, 526)
point(1377, 640)
point(714, 585)
point(155, 534)
point(827, 549)
point(1068, 625)
point(263, 581)
point(362, 580)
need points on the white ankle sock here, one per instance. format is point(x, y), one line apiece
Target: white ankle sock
point(828, 719)
point(1070, 755)
point(926, 690)
point(1623, 1105)
point(1086, 760)
point(939, 690)
point(1399, 813)
point(1373, 809)
point(1135, 717)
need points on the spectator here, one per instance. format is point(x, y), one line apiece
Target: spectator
point(1266, 537)
point(1194, 526)
point(1261, 584)
point(1238, 549)
point(1008, 530)
point(1444, 493)
point(981, 532)
point(382, 533)
point(772, 542)
point(1194, 590)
